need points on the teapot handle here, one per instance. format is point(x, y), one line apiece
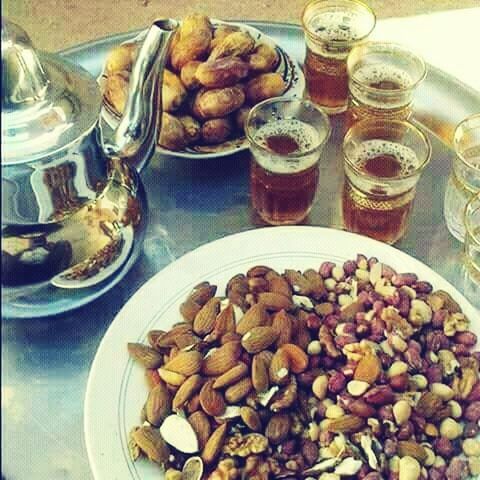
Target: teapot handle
point(135, 137)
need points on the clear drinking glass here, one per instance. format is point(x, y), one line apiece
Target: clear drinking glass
point(382, 79)
point(464, 180)
point(286, 139)
point(332, 28)
point(383, 161)
point(472, 238)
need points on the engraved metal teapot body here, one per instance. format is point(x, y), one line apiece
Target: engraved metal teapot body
point(72, 204)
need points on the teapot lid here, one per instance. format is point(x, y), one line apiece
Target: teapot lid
point(47, 103)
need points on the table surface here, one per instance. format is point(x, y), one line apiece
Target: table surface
point(45, 362)
point(58, 24)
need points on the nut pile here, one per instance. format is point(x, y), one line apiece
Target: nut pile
point(215, 75)
point(350, 371)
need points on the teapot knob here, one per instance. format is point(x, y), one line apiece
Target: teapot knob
point(24, 79)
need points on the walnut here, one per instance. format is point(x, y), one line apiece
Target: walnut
point(463, 386)
point(356, 351)
point(456, 322)
point(285, 397)
point(245, 445)
point(395, 322)
point(226, 470)
point(326, 340)
point(256, 468)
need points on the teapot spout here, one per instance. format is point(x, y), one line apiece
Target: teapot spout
point(136, 136)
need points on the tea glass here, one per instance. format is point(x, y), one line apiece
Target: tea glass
point(464, 180)
point(472, 238)
point(383, 77)
point(284, 178)
point(383, 161)
point(332, 28)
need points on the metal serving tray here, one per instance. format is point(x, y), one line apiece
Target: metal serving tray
point(45, 362)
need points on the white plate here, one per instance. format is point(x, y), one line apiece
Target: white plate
point(116, 389)
point(287, 67)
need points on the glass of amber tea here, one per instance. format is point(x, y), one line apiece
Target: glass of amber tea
point(472, 238)
point(383, 77)
point(286, 138)
point(383, 161)
point(332, 28)
point(464, 180)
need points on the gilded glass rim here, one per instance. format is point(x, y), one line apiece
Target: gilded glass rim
point(360, 3)
point(399, 47)
point(469, 209)
point(382, 123)
point(457, 133)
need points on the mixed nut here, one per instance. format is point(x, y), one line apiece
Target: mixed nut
point(215, 74)
point(348, 371)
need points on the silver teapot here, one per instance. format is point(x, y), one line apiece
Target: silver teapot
point(73, 206)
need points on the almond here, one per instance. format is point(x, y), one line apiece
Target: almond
point(258, 339)
point(260, 378)
point(189, 310)
point(167, 340)
point(222, 359)
point(224, 323)
point(201, 425)
point(256, 316)
point(152, 377)
point(251, 418)
point(238, 391)
point(152, 444)
point(186, 340)
point(345, 424)
point(297, 358)
point(186, 363)
point(258, 271)
point(275, 301)
point(211, 400)
point(282, 324)
point(278, 428)
point(171, 378)
point(279, 369)
point(205, 318)
point(186, 391)
point(230, 337)
point(298, 282)
point(231, 376)
point(193, 404)
point(277, 284)
point(412, 449)
point(202, 293)
point(147, 356)
point(214, 444)
point(158, 405)
point(368, 369)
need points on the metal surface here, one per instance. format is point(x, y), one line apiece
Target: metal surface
point(46, 361)
point(67, 198)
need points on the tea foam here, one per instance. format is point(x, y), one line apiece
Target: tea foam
point(376, 73)
point(373, 148)
point(306, 137)
point(336, 26)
